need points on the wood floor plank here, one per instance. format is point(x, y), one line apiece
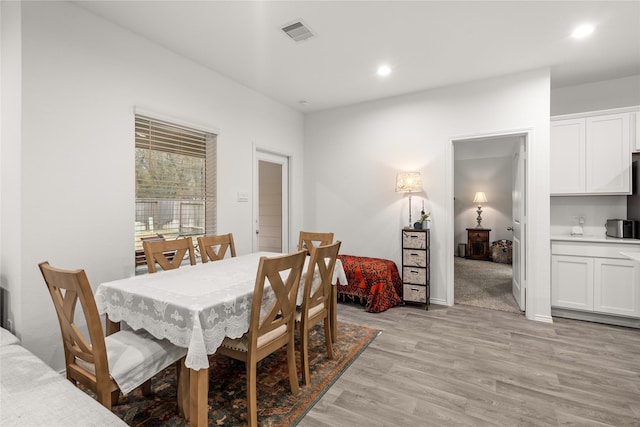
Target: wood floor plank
point(468, 366)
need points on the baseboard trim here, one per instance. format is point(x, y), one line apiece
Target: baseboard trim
point(439, 301)
point(596, 317)
point(544, 319)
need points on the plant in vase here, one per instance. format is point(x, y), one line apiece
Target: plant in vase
point(420, 224)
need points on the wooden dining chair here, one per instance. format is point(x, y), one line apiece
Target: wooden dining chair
point(214, 248)
point(271, 327)
point(107, 366)
point(140, 258)
point(168, 254)
point(309, 239)
point(316, 301)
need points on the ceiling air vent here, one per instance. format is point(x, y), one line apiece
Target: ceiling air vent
point(298, 31)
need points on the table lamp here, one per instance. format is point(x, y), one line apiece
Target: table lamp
point(479, 199)
point(408, 182)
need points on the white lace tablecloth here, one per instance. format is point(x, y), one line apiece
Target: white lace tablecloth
point(194, 306)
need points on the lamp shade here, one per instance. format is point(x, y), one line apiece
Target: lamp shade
point(480, 197)
point(408, 182)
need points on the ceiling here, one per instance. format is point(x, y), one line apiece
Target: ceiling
point(427, 44)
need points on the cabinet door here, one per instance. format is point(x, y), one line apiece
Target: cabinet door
point(617, 287)
point(608, 154)
point(635, 134)
point(572, 282)
point(568, 156)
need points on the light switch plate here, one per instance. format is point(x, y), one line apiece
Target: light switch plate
point(243, 197)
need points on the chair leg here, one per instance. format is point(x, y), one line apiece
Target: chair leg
point(327, 338)
point(252, 398)
point(104, 397)
point(291, 361)
point(333, 309)
point(304, 354)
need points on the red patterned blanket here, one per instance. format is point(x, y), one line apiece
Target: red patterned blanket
point(374, 281)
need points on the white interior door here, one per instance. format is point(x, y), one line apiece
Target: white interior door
point(271, 202)
point(519, 226)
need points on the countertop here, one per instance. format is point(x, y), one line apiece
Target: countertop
point(594, 239)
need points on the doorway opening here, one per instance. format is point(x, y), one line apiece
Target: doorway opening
point(271, 204)
point(490, 230)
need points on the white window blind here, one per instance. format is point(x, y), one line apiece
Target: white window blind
point(175, 179)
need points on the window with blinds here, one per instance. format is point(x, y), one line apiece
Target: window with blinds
point(175, 180)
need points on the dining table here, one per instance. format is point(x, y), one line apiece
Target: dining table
point(196, 307)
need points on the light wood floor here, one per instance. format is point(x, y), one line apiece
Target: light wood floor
point(469, 366)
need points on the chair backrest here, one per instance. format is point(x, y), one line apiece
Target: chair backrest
point(140, 258)
point(67, 287)
point(317, 283)
point(208, 245)
point(280, 294)
point(168, 254)
point(309, 239)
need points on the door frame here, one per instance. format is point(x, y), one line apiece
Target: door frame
point(527, 135)
point(265, 154)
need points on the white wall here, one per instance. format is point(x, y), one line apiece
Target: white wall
point(81, 79)
point(623, 92)
point(594, 209)
point(488, 175)
point(10, 222)
point(353, 154)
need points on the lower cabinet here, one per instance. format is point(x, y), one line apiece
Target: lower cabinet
point(595, 278)
point(572, 282)
point(616, 287)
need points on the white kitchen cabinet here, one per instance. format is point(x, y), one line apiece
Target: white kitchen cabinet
point(572, 282)
point(595, 278)
point(608, 154)
point(615, 287)
point(591, 155)
point(636, 132)
point(568, 158)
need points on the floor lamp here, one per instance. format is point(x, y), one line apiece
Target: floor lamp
point(408, 182)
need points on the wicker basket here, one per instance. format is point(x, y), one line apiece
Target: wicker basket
point(501, 251)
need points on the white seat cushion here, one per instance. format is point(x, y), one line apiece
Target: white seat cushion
point(312, 312)
point(136, 356)
point(7, 338)
point(33, 394)
point(242, 343)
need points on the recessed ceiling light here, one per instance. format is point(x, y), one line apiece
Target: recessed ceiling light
point(582, 31)
point(384, 70)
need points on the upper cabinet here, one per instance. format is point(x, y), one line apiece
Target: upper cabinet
point(568, 157)
point(591, 154)
point(608, 154)
point(636, 132)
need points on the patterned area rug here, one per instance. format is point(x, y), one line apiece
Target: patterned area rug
point(227, 385)
point(484, 284)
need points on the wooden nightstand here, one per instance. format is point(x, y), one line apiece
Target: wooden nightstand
point(478, 243)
